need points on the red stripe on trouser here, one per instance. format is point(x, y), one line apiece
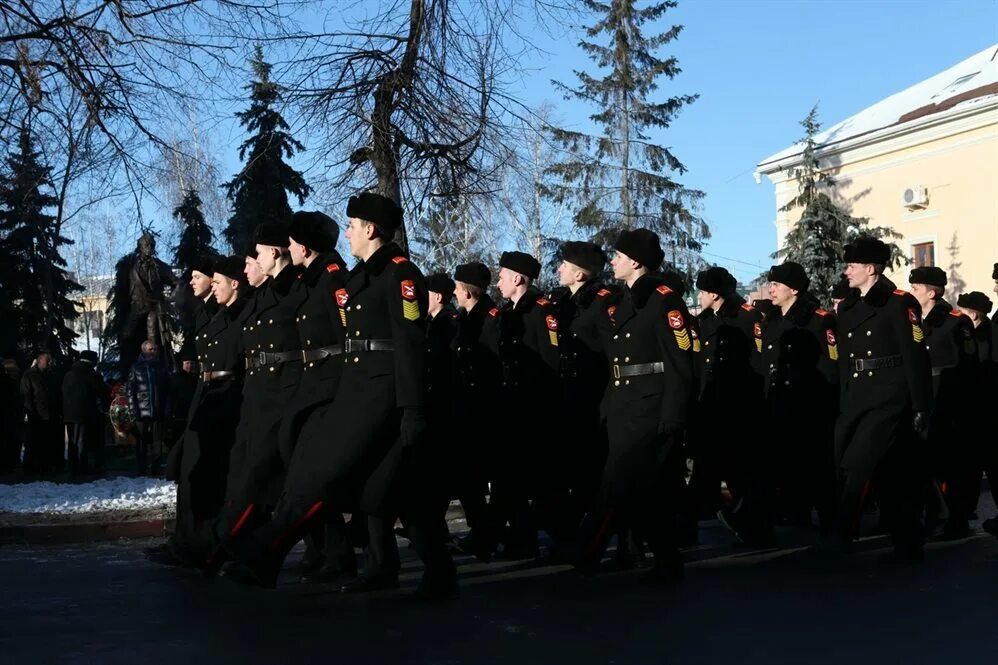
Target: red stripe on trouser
point(241, 522)
point(943, 487)
point(602, 535)
point(295, 530)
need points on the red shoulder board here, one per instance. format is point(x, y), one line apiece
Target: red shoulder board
point(957, 313)
point(900, 292)
point(400, 259)
point(747, 307)
point(821, 312)
point(494, 312)
point(543, 301)
point(333, 267)
point(603, 292)
point(664, 290)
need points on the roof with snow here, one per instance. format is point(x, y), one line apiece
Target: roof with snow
point(970, 83)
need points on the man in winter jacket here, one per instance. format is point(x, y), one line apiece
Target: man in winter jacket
point(148, 390)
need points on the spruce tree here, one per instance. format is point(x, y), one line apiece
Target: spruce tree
point(259, 193)
point(196, 238)
point(817, 241)
point(619, 177)
point(36, 283)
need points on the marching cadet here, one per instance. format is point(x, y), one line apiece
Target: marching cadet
point(647, 338)
point(949, 339)
point(976, 305)
point(526, 341)
point(724, 448)
point(577, 463)
point(886, 397)
point(377, 416)
point(478, 383)
point(205, 307)
point(273, 370)
point(312, 241)
point(799, 354)
point(428, 470)
point(211, 430)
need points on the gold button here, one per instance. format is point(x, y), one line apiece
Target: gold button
point(869, 353)
point(311, 364)
point(616, 336)
point(272, 369)
point(356, 359)
point(627, 335)
point(616, 383)
point(855, 375)
point(270, 321)
point(358, 306)
point(869, 332)
point(627, 359)
point(848, 334)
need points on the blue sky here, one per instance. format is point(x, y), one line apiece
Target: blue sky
point(759, 66)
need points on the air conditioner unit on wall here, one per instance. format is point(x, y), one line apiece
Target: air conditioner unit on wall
point(915, 198)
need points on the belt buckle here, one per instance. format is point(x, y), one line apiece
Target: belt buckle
point(859, 365)
point(304, 359)
point(347, 345)
point(616, 371)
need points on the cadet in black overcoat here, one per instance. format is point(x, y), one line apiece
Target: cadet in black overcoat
point(478, 385)
point(524, 335)
point(952, 449)
point(724, 447)
point(646, 334)
point(205, 307)
point(799, 358)
point(886, 397)
point(976, 305)
point(579, 451)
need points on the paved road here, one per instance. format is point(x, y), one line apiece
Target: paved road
point(103, 603)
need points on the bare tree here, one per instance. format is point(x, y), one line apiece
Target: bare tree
point(411, 99)
point(96, 242)
point(534, 221)
point(187, 162)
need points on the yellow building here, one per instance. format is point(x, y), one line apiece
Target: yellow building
point(924, 162)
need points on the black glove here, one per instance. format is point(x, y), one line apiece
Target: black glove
point(413, 427)
point(921, 423)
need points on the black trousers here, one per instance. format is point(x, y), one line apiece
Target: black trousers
point(149, 433)
point(85, 450)
point(44, 446)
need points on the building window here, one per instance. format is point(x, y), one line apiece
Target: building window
point(923, 254)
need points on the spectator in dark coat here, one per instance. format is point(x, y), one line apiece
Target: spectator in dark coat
point(41, 390)
point(85, 400)
point(11, 416)
point(148, 391)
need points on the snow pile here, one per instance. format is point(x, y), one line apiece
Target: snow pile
point(112, 494)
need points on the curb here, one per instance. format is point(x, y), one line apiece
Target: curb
point(83, 532)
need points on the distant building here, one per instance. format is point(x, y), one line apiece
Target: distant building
point(924, 162)
point(93, 304)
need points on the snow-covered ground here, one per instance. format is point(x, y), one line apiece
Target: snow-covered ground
point(112, 494)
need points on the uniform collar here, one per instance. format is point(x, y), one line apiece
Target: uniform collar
point(938, 313)
point(377, 262)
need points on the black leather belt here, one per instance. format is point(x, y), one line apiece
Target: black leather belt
point(211, 376)
point(620, 371)
point(864, 364)
point(358, 345)
point(311, 355)
point(265, 358)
